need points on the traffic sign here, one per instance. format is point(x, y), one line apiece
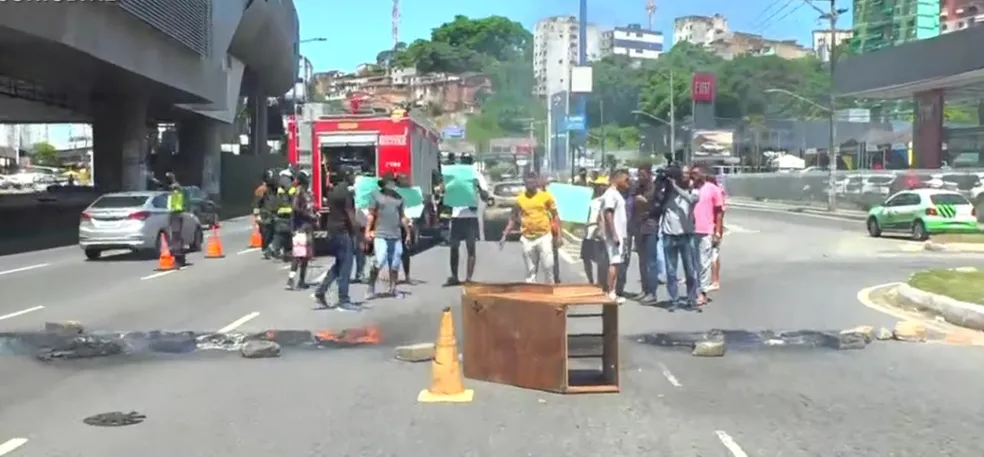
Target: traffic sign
point(575, 123)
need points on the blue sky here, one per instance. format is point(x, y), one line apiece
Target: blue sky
point(356, 35)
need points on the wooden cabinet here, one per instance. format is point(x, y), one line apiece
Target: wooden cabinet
point(524, 335)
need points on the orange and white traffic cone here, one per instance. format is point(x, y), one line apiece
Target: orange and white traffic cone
point(166, 262)
point(213, 247)
point(255, 239)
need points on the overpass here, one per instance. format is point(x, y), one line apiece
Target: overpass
point(126, 65)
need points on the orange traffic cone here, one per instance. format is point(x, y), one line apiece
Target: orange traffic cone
point(255, 239)
point(446, 385)
point(213, 247)
point(166, 261)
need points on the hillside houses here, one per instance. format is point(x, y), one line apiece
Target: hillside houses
point(440, 92)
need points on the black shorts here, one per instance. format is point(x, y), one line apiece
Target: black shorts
point(464, 229)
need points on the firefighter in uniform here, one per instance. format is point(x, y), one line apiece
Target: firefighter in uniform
point(265, 207)
point(281, 244)
point(176, 209)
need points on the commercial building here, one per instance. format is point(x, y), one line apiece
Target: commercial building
point(556, 46)
point(879, 24)
point(632, 41)
point(823, 39)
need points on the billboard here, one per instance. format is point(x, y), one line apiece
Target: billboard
point(707, 143)
point(703, 87)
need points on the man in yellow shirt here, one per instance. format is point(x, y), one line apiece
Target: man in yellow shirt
point(536, 214)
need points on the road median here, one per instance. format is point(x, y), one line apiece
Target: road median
point(950, 295)
point(794, 208)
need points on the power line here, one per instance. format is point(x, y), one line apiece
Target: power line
point(784, 16)
point(762, 13)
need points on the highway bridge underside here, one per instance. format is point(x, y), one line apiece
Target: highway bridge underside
point(123, 107)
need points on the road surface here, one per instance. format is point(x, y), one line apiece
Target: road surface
point(780, 272)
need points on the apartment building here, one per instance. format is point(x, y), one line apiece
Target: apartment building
point(884, 23)
point(632, 41)
point(556, 46)
point(699, 30)
point(960, 14)
point(733, 44)
point(822, 39)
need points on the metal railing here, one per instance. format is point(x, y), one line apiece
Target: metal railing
point(853, 190)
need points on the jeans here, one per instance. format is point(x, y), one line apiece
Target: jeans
point(339, 246)
point(389, 253)
point(656, 259)
point(680, 248)
point(623, 268)
point(360, 259)
point(536, 252)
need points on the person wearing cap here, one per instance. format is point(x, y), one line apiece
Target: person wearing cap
point(593, 254)
point(386, 230)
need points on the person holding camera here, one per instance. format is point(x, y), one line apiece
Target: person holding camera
point(677, 227)
point(616, 230)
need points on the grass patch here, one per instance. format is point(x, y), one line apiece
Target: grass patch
point(959, 238)
point(967, 286)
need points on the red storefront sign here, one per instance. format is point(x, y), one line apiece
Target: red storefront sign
point(703, 87)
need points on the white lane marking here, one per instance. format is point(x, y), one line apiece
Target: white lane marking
point(730, 443)
point(11, 445)
point(157, 275)
point(565, 256)
point(20, 313)
point(239, 322)
point(738, 229)
point(27, 268)
point(247, 251)
point(669, 376)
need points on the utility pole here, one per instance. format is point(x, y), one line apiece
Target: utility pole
point(672, 117)
point(831, 16)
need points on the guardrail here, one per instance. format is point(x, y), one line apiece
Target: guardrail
point(853, 190)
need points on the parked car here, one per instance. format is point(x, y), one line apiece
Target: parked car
point(134, 221)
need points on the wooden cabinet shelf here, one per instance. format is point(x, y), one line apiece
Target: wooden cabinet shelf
point(521, 334)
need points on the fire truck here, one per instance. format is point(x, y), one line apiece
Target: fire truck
point(365, 142)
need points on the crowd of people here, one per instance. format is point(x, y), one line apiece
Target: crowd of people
point(671, 218)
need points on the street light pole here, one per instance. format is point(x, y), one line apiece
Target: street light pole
point(832, 156)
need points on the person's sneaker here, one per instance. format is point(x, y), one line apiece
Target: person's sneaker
point(451, 282)
point(347, 305)
point(647, 299)
point(321, 300)
point(616, 298)
point(290, 285)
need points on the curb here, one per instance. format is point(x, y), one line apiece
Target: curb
point(792, 209)
point(956, 312)
point(933, 246)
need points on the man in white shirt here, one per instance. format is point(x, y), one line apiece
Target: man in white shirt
point(465, 228)
point(616, 230)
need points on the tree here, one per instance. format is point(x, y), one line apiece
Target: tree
point(44, 154)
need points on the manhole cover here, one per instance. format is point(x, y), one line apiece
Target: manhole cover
point(115, 419)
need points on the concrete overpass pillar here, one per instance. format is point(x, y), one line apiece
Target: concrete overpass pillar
point(258, 123)
point(927, 130)
point(199, 157)
point(119, 141)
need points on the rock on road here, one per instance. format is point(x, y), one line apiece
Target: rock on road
point(782, 272)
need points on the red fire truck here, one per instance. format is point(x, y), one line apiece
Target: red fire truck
point(365, 142)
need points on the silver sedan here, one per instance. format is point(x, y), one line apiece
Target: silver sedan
point(132, 220)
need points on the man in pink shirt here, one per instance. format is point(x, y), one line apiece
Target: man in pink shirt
point(708, 229)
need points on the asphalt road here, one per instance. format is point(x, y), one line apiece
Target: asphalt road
point(785, 272)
